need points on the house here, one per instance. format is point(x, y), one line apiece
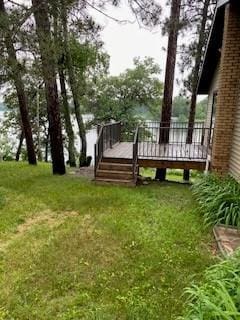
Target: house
point(220, 79)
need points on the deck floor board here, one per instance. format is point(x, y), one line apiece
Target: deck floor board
point(154, 151)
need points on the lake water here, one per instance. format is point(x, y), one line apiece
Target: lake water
point(91, 135)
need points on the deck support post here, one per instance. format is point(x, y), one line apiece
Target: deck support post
point(186, 175)
point(161, 174)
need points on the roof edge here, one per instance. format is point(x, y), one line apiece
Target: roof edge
point(222, 3)
point(219, 11)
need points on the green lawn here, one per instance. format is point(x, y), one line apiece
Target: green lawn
point(72, 250)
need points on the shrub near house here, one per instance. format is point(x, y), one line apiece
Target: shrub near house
point(219, 297)
point(219, 200)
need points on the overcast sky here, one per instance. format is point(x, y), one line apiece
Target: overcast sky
point(125, 41)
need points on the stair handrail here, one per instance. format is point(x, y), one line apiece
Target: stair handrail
point(98, 150)
point(109, 134)
point(135, 153)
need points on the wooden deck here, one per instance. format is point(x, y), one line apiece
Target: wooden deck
point(177, 156)
point(153, 151)
point(119, 162)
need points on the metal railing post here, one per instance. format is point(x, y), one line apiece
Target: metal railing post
point(110, 136)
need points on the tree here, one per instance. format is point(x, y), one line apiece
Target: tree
point(37, 116)
point(48, 59)
point(201, 109)
point(15, 70)
point(128, 97)
point(201, 14)
point(195, 50)
point(86, 62)
point(61, 56)
point(173, 27)
point(67, 115)
point(73, 86)
point(180, 108)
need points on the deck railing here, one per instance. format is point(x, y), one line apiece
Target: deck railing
point(135, 153)
point(171, 140)
point(108, 135)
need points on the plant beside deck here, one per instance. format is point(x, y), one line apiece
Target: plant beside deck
point(73, 250)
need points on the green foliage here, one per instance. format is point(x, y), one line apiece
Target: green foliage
point(201, 109)
point(89, 59)
point(37, 114)
point(133, 95)
point(219, 296)
point(6, 147)
point(181, 109)
point(197, 21)
point(219, 200)
point(73, 250)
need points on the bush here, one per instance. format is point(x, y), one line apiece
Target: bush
point(219, 200)
point(219, 297)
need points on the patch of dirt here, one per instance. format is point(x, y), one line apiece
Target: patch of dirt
point(214, 249)
point(227, 238)
point(47, 217)
point(86, 172)
point(88, 225)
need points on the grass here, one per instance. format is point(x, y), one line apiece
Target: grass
point(72, 250)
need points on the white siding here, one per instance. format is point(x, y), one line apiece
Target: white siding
point(213, 89)
point(234, 163)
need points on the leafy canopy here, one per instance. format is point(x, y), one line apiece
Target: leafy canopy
point(133, 95)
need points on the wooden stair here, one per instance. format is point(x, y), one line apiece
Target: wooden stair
point(115, 172)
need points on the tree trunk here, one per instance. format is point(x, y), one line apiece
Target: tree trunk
point(16, 75)
point(47, 52)
point(46, 147)
point(67, 118)
point(74, 89)
point(20, 143)
point(169, 79)
point(196, 71)
point(39, 151)
point(65, 104)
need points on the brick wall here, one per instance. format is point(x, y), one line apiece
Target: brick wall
point(228, 90)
